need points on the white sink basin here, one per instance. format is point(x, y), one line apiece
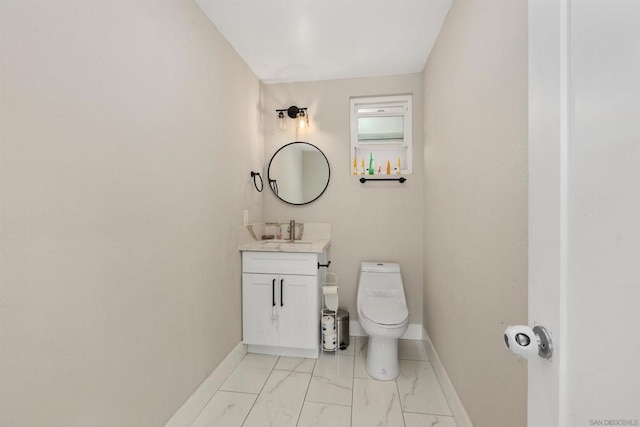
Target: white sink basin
point(286, 243)
point(280, 245)
point(295, 242)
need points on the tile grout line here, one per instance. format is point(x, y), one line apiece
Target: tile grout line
point(429, 413)
point(260, 392)
point(353, 380)
point(306, 392)
point(404, 422)
point(203, 408)
point(216, 392)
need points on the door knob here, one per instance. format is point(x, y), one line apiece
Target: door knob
point(527, 342)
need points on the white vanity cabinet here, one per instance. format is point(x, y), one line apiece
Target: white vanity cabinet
point(281, 302)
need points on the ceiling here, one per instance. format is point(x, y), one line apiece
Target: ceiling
point(305, 40)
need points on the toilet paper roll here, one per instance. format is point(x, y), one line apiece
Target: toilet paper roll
point(330, 297)
point(328, 329)
point(331, 301)
point(328, 325)
point(327, 320)
point(521, 340)
point(329, 342)
point(329, 346)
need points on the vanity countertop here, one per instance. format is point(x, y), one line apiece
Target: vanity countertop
point(308, 246)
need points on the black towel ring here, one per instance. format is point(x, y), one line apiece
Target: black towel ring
point(255, 183)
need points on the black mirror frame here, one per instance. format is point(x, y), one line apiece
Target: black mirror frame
point(273, 183)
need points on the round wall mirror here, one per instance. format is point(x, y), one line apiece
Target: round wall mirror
point(298, 173)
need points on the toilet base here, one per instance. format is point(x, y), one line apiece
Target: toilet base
point(382, 358)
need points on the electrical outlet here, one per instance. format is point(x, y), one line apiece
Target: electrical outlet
point(246, 217)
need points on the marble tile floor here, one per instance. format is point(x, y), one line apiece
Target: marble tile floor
point(332, 391)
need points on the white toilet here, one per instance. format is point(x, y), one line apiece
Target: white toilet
point(383, 314)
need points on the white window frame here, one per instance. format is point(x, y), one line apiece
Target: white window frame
point(380, 103)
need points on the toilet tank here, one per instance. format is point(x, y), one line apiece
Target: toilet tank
point(380, 267)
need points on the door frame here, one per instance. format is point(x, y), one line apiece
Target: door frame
point(548, 193)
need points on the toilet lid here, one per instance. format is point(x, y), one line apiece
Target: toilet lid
point(385, 311)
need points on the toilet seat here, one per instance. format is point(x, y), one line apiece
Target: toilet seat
point(381, 296)
point(384, 311)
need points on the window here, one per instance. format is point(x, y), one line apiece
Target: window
point(381, 130)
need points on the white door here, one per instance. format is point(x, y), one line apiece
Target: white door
point(259, 309)
point(298, 311)
point(584, 210)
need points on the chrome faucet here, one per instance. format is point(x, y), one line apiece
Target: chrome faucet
point(292, 230)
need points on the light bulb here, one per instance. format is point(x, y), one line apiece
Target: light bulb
point(281, 125)
point(303, 120)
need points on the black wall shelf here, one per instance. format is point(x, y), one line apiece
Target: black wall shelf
point(400, 179)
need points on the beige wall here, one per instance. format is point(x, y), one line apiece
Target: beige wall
point(475, 253)
point(128, 133)
point(374, 221)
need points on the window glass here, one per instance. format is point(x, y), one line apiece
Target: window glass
point(380, 128)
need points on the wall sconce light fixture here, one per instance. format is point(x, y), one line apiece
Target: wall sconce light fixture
point(298, 113)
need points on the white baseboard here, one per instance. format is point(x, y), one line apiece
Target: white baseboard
point(188, 412)
point(414, 331)
point(355, 330)
point(309, 353)
point(455, 404)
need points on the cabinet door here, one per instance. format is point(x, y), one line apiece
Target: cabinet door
point(299, 317)
point(259, 315)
